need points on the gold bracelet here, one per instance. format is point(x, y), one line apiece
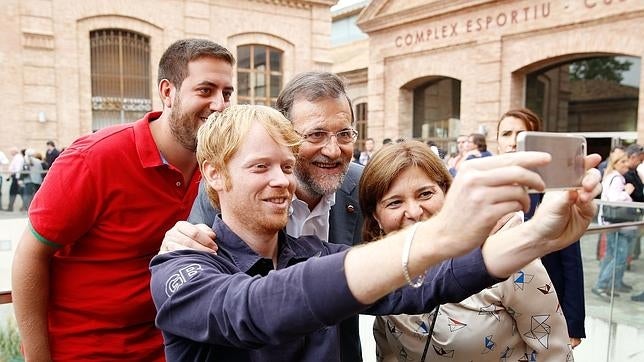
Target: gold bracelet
point(405, 258)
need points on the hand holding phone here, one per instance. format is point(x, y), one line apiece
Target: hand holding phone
point(566, 170)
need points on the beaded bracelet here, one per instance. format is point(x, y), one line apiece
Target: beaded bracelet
point(405, 258)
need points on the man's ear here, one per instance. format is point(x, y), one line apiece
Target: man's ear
point(213, 177)
point(166, 92)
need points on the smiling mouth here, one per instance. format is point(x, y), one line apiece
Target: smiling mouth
point(277, 200)
point(326, 165)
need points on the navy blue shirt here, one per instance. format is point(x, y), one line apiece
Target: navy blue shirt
point(234, 307)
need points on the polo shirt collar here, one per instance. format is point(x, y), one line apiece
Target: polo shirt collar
point(147, 149)
point(245, 257)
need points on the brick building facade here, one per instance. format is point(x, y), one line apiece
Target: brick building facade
point(476, 59)
point(51, 83)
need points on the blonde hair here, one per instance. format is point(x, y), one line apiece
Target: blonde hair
point(223, 133)
point(615, 157)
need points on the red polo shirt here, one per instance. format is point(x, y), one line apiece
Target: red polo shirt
point(106, 204)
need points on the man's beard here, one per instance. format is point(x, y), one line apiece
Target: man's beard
point(316, 187)
point(184, 126)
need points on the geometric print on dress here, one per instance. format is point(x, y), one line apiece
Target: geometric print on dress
point(506, 354)
point(521, 278)
point(528, 358)
point(393, 330)
point(446, 353)
point(489, 344)
point(402, 354)
point(422, 329)
point(539, 329)
point(490, 310)
point(455, 325)
point(546, 289)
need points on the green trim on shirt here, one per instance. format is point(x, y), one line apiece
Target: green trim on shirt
point(41, 238)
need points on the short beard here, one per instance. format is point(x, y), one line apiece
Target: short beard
point(180, 125)
point(311, 187)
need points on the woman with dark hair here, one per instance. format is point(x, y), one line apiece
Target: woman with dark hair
point(405, 183)
point(564, 266)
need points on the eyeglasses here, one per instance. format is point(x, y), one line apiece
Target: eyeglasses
point(344, 137)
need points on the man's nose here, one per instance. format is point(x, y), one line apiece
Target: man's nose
point(332, 148)
point(217, 103)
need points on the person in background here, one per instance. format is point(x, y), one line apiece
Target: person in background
point(33, 176)
point(610, 279)
point(266, 295)
point(407, 183)
point(602, 165)
point(365, 155)
point(565, 267)
point(81, 282)
point(3, 162)
point(51, 154)
point(476, 147)
point(455, 161)
point(15, 170)
point(356, 156)
point(635, 154)
point(437, 150)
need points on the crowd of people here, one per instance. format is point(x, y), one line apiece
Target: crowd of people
point(247, 233)
point(24, 171)
point(468, 147)
point(621, 181)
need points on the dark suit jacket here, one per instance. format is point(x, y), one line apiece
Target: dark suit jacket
point(633, 178)
point(345, 227)
point(566, 271)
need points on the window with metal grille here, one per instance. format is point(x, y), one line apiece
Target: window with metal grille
point(361, 124)
point(259, 74)
point(120, 77)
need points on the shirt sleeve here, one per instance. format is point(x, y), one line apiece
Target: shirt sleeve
point(202, 298)
point(449, 282)
point(536, 313)
point(202, 212)
point(67, 203)
point(616, 189)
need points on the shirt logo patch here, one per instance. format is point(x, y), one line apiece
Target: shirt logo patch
point(181, 277)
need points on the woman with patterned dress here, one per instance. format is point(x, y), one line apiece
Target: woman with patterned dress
point(518, 319)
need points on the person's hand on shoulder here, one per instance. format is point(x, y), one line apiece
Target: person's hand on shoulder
point(629, 188)
point(185, 235)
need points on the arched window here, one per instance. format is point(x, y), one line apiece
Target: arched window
point(595, 94)
point(259, 74)
point(437, 105)
point(120, 76)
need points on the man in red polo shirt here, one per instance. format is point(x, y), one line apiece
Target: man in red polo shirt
point(80, 272)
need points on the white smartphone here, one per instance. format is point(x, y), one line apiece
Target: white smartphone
point(566, 170)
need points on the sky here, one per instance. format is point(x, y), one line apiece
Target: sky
point(343, 3)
